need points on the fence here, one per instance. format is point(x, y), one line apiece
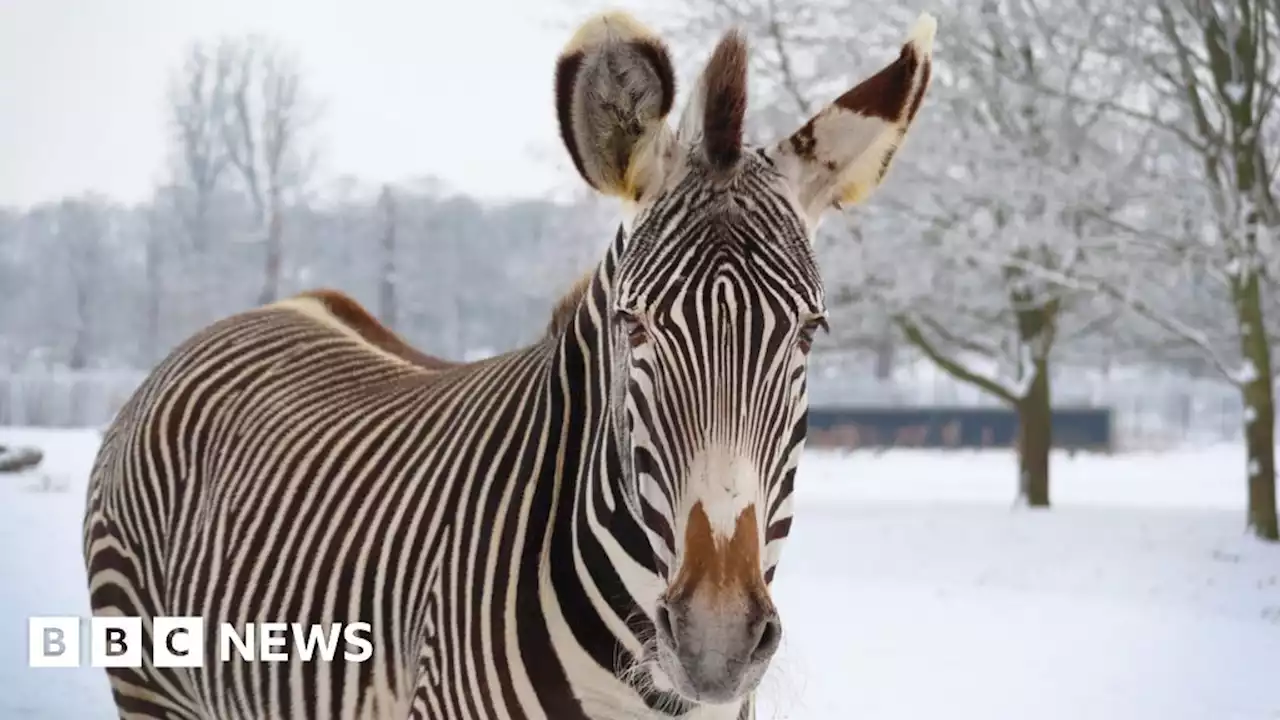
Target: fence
point(1147, 409)
point(942, 427)
point(1150, 408)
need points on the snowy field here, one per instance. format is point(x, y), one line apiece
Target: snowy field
point(911, 590)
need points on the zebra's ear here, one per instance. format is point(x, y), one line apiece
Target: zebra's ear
point(614, 88)
point(711, 123)
point(843, 153)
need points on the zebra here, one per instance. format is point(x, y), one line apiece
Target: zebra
point(585, 527)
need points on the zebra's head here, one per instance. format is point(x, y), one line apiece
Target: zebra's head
point(715, 301)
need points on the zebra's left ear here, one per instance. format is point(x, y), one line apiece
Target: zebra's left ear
point(711, 124)
point(844, 152)
point(614, 87)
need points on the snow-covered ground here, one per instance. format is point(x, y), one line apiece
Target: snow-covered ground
point(911, 589)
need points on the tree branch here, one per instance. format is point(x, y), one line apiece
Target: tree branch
point(917, 338)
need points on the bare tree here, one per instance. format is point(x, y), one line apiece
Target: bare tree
point(1202, 215)
point(157, 263)
point(79, 229)
point(266, 134)
point(1211, 81)
point(199, 105)
point(995, 177)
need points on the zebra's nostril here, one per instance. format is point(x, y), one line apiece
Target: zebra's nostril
point(770, 637)
point(662, 620)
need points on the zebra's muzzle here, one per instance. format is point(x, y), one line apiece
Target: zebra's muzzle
point(716, 654)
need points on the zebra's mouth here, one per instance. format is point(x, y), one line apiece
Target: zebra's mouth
point(715, 659)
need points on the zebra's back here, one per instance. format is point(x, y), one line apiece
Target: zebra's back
point(287, 464)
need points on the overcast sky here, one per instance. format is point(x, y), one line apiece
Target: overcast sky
point(462, 89)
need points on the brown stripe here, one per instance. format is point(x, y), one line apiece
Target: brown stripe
point(656, 53)
point(354, 316)
point(884, 95)
point(567, 69)
point(803, 141)
point(885, 162)
point(925, 73)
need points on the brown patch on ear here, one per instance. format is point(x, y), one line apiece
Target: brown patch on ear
point(725, 101)
point(657, 55)
point(803, 142)
point(720, 569)
point(886, 162)
point(884, 95)
point(566, 74)
point(844, 152)
point(919, 97)
point(353, 315)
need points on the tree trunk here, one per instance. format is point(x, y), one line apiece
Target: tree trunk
point(884, 355)
point(1035, 439)
point(1238, 63)
point(1037, 325)
point(387, 309)
point(275, 231)
point(198, 266)
point(78, 358)
point(1259, 403)
point(1032, 403)
point(155, 293)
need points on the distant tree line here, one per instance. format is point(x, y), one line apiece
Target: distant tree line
point(91, 283)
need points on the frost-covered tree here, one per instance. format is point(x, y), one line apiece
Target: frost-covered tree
point(242, 154)
point(80, 229)
point(267, 133)
point(1205, 82)
point(199, 106)
point(1000, 179)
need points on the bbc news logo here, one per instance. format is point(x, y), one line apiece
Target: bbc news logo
point(180, 642)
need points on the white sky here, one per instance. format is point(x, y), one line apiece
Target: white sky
point(461, 90)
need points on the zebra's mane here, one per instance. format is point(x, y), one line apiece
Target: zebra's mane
point(335, 308)
point(567, 305)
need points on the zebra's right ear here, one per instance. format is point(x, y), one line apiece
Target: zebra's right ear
point(614, 88)
point(843, 153)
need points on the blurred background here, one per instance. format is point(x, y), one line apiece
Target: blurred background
point(1064, 295)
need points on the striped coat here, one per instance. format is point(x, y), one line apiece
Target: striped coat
point(586, 527)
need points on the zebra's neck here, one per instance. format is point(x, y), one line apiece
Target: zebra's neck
point(598, 566)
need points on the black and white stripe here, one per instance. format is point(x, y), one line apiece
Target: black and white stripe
point(584, 528)
point(481, 518)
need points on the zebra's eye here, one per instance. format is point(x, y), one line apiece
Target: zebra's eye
point(809, 329)
point(635, 330)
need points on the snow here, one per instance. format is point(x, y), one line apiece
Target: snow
point(1247, 373)
point(42, 574)
point(911, 588)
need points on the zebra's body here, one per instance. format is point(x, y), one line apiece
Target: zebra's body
point(584, 528)
point(360, 438)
